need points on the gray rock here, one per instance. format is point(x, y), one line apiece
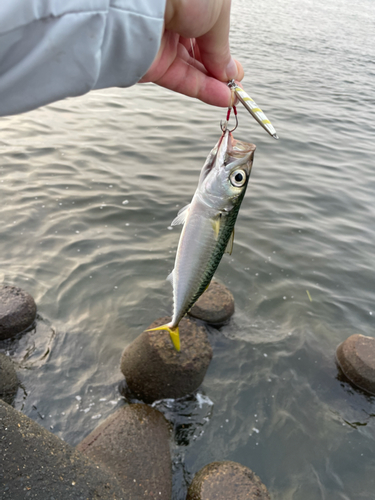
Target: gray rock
point(356, 358)
point(17, 311)
point(133, 443)
point(227, 480)
point(8, 379)
point(215, 306)
point(155, 370)
point(36, 464)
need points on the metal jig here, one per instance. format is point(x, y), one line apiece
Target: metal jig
point(252, 108)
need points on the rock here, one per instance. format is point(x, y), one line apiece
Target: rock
point(356, 358)
point(227, 480)
point(215, 306)
point(17, 311)
point(36, 464)
point(133, 443)
point(155, 370)
point(8, 379)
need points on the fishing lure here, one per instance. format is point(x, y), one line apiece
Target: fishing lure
point(252, 108)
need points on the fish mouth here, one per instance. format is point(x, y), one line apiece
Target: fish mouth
point(233, 153)
point(229, 146)
point(240, 149)
point(228, 153)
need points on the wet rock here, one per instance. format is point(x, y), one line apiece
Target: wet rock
point(356, 358)
point(8, 379)
point(227, 480)
point(155, 370)
point(215, 306)
point(133, 443)
point(36, 464)
point(17, 311)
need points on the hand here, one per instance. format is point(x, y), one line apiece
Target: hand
point(205, 24)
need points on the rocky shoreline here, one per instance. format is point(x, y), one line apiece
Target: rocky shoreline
point(128, 455)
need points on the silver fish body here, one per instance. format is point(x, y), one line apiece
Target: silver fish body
point(208, 224)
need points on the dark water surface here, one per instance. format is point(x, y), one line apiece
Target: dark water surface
point(89, 187)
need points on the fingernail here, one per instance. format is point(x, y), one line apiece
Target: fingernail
point(231, 70)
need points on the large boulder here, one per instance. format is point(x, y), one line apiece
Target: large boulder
point(215, 306)
point(36, 464)
point(356, 358)
point(133, 443)
point(155, 370)
point(227, 480)
point(17, 311)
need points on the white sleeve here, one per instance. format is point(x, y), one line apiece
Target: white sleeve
point(52, 49)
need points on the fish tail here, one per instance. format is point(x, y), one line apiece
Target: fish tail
point(173, 332)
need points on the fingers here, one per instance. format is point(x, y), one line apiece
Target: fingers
point(189, 80)
point(184, 54)
point(175, 69)
point(192, 47)
point(201, 69)
point(208, 21)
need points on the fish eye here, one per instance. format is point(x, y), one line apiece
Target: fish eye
point(238, 178)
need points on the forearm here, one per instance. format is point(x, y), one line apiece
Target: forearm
point(54, 49)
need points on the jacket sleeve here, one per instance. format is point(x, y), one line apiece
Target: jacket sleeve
point(52, 49)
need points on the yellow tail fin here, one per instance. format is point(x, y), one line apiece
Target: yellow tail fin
point(173, 332)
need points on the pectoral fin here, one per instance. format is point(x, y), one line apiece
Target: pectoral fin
point(181, 216)
point(216, 226)
point(229, 248)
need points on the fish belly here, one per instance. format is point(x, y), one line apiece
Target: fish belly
point(198, 256)
point(196, 245)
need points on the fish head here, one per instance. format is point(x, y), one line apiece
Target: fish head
point(226, 173)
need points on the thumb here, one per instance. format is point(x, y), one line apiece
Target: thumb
point(214, 48)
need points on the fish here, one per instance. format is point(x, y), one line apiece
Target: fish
point(208, 225)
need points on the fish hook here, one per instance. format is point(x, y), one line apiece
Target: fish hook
point(224, 124)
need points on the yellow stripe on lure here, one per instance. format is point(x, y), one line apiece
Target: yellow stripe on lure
point(253, 108)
